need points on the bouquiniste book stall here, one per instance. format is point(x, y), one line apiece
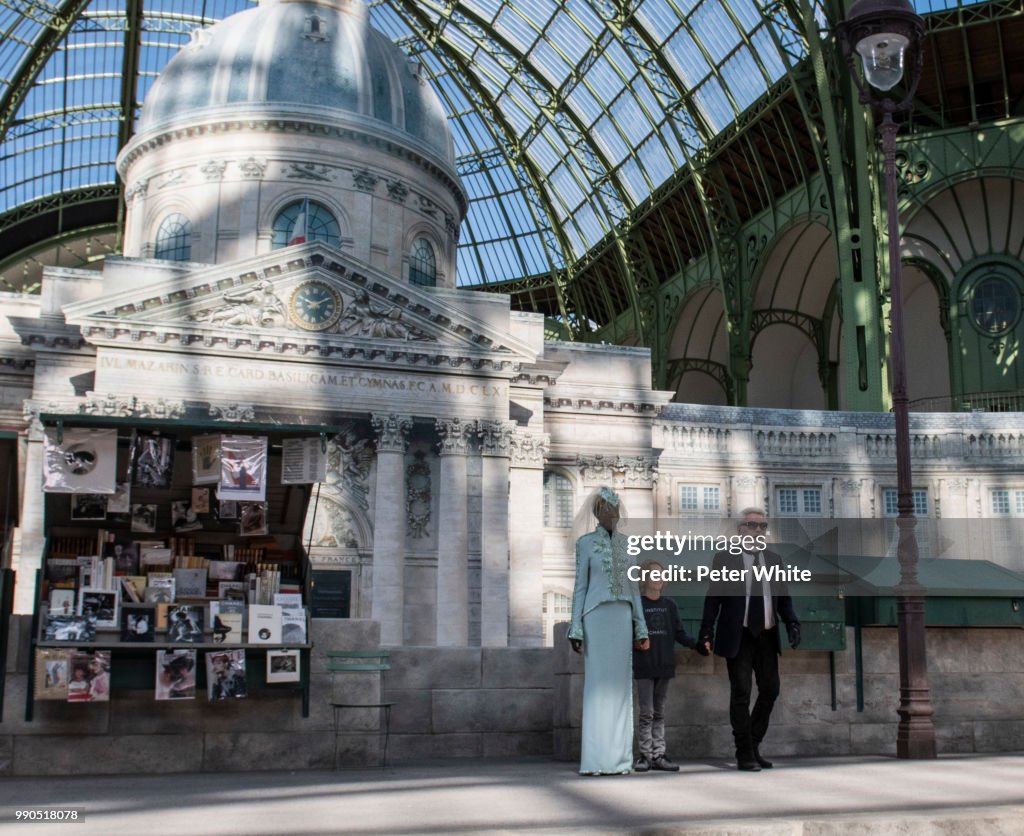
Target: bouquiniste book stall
point(173, 559)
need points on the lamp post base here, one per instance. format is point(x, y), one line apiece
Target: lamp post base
point(915, 737)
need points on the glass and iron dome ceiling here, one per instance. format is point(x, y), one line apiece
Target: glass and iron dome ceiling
point(566, 114)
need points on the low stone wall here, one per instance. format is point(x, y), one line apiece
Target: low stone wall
point(507, 702)
point(976, 676)
point(470, 702)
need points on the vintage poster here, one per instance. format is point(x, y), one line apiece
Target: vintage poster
point(81, 461)
point(243, 468)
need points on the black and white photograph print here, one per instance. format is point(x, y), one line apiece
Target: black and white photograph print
point(283, 666)
point(152, 460)
point(88, 506)
point(79, 461)
point(138, 622)
point(183, 517)
point(70, 628)
point(100, 605)
point(185, 623)
point(144, 518)
point(227, 509)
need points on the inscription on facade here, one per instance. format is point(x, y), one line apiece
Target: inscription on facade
point(270, 382)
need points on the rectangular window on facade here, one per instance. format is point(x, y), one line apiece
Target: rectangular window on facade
point(890, 497)
point(700, 499)
point(794, 501)
point(1007, 502)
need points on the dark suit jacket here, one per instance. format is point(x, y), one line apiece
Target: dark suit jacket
point(724, 605)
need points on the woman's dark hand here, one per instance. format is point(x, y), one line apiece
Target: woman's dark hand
point(577, 645)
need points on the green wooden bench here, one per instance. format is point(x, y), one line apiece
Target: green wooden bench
point(348, 661)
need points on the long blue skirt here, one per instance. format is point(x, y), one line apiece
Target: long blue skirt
point(607, 740)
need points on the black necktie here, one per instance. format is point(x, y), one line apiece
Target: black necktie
point(755, 612)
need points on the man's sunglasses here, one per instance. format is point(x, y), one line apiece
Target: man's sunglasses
point(761, 525)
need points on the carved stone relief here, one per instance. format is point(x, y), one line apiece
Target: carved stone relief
point(418, 496)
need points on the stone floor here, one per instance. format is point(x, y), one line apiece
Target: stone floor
point(866, 795)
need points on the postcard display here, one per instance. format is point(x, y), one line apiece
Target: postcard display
point(163, 570)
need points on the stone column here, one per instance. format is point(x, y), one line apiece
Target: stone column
point(452, 617)
point(495, 437)
point(30, 538)
point(526, 541)
point(389, 526)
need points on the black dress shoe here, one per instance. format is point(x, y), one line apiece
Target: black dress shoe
point(746, 764)
point(764, 763)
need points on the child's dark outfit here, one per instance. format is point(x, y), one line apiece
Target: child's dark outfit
point(653, 670)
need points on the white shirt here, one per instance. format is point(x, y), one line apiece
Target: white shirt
point(766, 589)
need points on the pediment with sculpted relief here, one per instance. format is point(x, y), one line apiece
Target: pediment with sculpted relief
point(308, 299)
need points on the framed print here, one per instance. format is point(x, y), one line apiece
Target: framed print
point(144, 518)
point(100, 604)
point(227, 509)
point(138, 622)
point(80, 461)
point(283, 666)
point(51, 679)
point(152, 460)
point(88, 506)
point(243, 468)
point(62, 602)
point(205, 460)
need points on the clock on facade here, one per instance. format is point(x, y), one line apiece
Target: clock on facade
point(315, 305)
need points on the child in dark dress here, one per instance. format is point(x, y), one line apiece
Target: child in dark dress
point(654, 669)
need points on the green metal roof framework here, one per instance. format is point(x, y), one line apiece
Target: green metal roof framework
point(605, 144)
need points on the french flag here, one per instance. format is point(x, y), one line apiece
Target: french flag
point(299, 227)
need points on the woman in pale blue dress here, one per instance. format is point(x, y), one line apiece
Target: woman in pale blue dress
point(607, 623)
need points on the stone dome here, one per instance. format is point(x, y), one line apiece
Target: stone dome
point(318, 60)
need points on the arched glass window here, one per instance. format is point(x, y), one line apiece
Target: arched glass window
point(558, 501)
point(174, 238)
point(305, 220)
point(422, 264)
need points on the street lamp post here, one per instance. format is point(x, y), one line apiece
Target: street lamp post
point(887, 35)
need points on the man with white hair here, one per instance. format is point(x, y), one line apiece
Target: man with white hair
point(741, 624)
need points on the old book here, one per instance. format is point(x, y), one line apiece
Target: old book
point(293, 625)
point(89, 676)
point(175, 675)
point(227, 628)
point(190, 583)
point(225, 675)
point(264, 624)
